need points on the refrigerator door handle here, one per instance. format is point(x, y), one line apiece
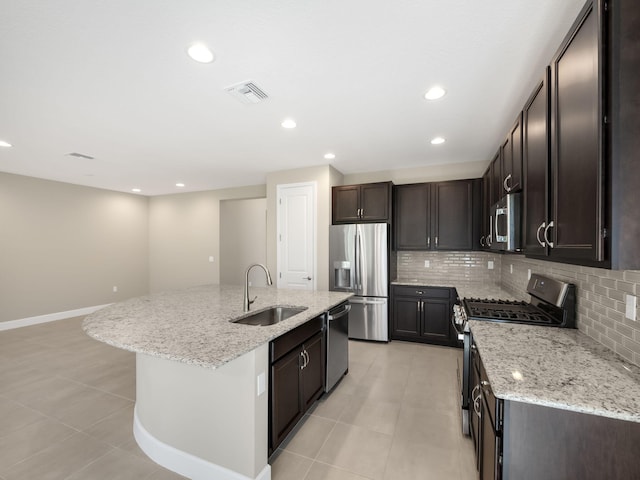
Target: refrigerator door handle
point(355, 261)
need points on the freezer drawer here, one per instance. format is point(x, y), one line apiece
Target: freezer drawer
point(368, 318)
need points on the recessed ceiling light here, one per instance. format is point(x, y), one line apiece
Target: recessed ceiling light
point(288, 123)
point(200, 53)
point(435, 93)
point(5, 144)
point(136, 190)
point(437, 141)
point(329, 156)
point(180, 185)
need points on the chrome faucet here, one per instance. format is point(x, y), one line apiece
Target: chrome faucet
point(246, 303)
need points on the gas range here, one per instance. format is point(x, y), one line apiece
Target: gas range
point(553, 303)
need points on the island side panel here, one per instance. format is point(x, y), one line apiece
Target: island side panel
point(214, 414)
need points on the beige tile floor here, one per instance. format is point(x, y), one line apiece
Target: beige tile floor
point(395, 416)
point(66, 408)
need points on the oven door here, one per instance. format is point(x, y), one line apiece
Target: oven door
point(463, 335)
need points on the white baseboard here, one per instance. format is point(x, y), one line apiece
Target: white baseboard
point(184, 463)
point(50, 317)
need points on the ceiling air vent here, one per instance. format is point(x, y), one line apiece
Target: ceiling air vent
point(247, 92)
point(80, 155)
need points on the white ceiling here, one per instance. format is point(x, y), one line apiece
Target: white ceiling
point(111, 79)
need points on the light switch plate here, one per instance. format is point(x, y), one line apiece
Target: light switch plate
point(511, 268)
point(490, 264)
point(631, 307)
point(427, 264)
point(211, 259)
point(528, 274)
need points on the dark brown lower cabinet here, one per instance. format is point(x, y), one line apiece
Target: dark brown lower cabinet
point(522, 441)
point(297, 377)
point(422, 314)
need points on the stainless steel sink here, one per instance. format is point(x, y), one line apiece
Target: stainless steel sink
point(270, 316)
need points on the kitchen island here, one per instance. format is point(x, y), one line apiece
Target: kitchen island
point(201, 403)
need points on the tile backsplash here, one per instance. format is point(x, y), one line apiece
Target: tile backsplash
point(601, 294)
point(449, 267)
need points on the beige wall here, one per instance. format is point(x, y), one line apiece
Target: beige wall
point(325, 176)
point(64, 247)
point(432, 173)
point(184, 231)
point(243, 240)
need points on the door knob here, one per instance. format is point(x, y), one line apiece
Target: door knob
point(306, 278)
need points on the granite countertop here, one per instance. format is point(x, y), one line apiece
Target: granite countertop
point(465, 289)
point(193, 325)
point(557, 367)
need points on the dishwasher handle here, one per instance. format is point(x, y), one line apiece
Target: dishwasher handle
point(339, 314)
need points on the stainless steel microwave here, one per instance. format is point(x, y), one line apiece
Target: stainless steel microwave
point(506, 223)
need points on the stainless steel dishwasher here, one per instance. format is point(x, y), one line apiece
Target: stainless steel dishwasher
point(337, 344)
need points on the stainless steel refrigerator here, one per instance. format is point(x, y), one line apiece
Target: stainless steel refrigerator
point(359, 263)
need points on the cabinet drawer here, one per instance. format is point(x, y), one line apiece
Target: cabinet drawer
point(290, 340)
point(422, 291)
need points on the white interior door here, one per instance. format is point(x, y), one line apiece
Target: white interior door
point(297, 236)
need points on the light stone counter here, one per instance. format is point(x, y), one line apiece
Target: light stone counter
point(559, 368)
point(465, 289)
point(193, 326)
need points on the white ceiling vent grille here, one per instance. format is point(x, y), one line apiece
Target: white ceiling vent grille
point(247, 92)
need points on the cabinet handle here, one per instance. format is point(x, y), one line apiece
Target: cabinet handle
point(546, 229)
point(436, 242)
point(482, 244)
point(419, 292)
point(304, 361)
point(505, 184)
point(542, 225)
point(428, 242)
point(307, 359)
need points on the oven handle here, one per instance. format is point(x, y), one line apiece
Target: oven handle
point(455, 325)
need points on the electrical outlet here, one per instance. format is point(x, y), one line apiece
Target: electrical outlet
point(490, 264)
point(427, 264)
point(211, 259)
point(528, 274)
point(115, 289)
point(511, 268)
point(631, 307)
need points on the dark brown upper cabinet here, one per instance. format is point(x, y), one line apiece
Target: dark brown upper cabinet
point(497, 190)
point(438, 216)
point(575, 230)
point(535, 123)
point(369, 202)
point(485, 225)
point(512, 158)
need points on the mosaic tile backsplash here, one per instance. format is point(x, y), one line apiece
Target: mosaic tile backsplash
point(601, 294)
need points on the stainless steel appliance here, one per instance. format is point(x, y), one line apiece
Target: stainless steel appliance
point(506, 224)
point(337, 344)
point(359, 263)
point(553, 304)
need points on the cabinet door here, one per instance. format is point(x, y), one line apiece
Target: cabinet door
point(475, 403)
point(345, 204)
point(535, 119)
point(453, 215)
point(485, 239)
point(488, 463)
point(576, 144)
point(436, 320)
point(512, 159)
point(375, 202)
point(286, 404)
point(313, 374)
point(497, 191)
point(412, 230)
point(406, 317)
